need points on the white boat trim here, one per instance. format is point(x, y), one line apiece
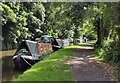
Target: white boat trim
point(28, 57)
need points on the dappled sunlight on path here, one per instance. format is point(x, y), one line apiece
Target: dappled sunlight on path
point(85, 68)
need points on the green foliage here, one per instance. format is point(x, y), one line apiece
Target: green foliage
point(8, 14)
point(109, 51)
point(29, 19)
point(88, 27)
point(20, 21)
point(117, 72)
point(113, 52)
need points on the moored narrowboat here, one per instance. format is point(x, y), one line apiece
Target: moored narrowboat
point(30, 52)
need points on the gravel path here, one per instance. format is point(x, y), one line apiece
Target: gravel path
point(85, 68)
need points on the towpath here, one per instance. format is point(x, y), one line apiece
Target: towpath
point(85, 68)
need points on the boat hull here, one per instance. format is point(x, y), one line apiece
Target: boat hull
point(22, 62)
point(55, 48)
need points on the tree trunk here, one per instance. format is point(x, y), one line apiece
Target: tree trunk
point(98, 25)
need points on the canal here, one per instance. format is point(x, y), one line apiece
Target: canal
point(8, 70)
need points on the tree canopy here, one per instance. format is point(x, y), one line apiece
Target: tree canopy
point(26, 20)
point(98, 21)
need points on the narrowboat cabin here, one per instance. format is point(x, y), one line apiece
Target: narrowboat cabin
point(30, 52)
point(56, 43)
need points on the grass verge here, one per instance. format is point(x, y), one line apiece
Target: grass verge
point(53, 67)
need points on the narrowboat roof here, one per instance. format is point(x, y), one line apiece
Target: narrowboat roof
point(30, 46)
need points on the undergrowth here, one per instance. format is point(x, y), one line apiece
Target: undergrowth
point(109, 53)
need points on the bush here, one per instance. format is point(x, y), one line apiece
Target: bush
point(111, 51)
point(117, 72)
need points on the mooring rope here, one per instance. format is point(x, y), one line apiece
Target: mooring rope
point(27, 62)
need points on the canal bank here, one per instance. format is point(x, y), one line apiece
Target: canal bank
point(53, 67)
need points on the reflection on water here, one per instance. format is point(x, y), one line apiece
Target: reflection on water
point(8, 70)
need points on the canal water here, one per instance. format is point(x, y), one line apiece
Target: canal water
point(8, 70)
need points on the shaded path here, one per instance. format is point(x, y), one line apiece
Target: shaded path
point(85, 68)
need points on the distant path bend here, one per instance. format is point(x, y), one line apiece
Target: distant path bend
point(85, 68)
